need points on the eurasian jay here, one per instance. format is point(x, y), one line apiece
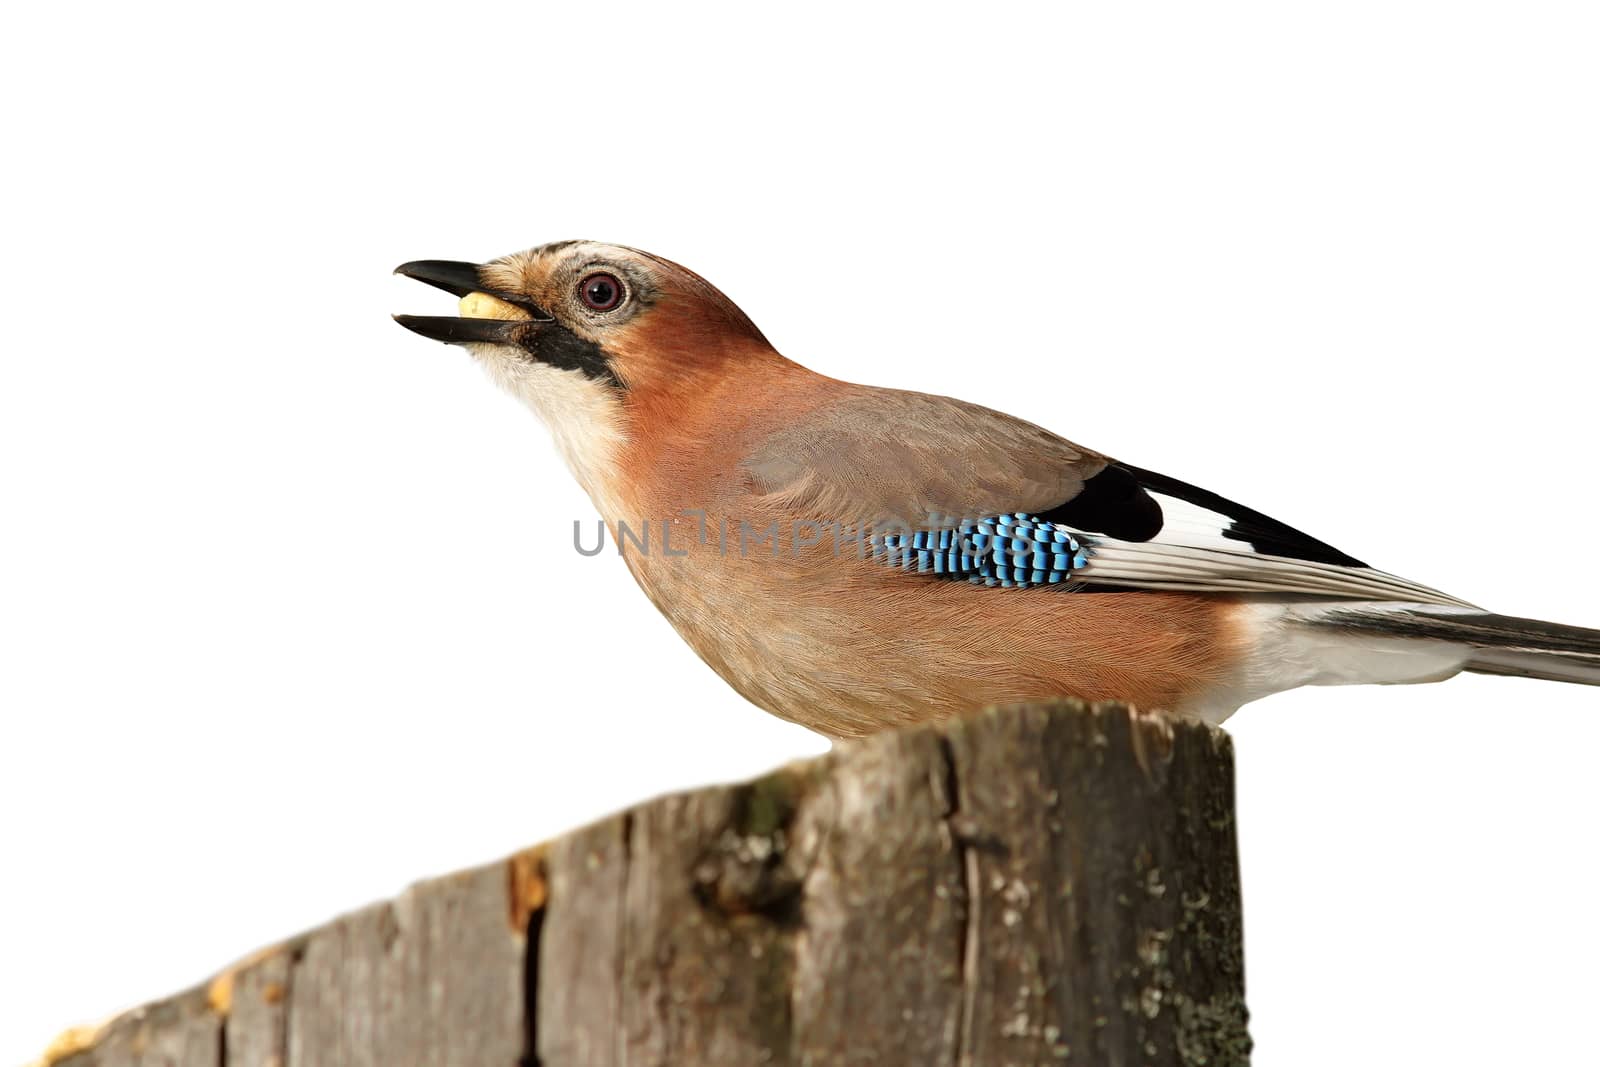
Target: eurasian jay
point(853, 558)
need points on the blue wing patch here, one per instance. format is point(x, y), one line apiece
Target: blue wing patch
point(1010, 551)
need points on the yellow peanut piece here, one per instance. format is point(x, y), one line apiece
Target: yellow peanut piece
point(484, 306)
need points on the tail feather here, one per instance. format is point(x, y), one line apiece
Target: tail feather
point(1500, 644)
point(1551, 666)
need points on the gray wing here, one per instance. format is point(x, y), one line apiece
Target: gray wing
point(883, 456)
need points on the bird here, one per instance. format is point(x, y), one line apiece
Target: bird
point(855, 558)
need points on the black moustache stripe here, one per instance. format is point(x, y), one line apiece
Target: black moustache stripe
point(558, 346)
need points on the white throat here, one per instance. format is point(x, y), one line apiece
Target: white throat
point(583, 415)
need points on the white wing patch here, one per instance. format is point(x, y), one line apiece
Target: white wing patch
point(1191, 554)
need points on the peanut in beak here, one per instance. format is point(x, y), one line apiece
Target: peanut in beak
point(484, 306)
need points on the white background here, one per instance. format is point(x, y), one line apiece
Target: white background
point(290, 615)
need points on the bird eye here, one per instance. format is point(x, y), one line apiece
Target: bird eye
point(600, 292)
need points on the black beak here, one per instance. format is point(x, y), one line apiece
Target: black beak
point(459, 279)
point(458, 331)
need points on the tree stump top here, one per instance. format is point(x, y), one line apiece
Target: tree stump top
point(1033, 885)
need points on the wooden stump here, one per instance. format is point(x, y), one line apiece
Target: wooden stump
point(1035, 885)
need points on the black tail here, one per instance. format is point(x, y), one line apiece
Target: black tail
point(1501, 644)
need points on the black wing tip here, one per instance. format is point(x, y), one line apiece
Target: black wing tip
point(1262, 533)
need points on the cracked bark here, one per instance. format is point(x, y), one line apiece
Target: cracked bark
point(1045, 884)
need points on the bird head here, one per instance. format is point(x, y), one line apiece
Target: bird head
point(616, 316)
point(596, 338)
